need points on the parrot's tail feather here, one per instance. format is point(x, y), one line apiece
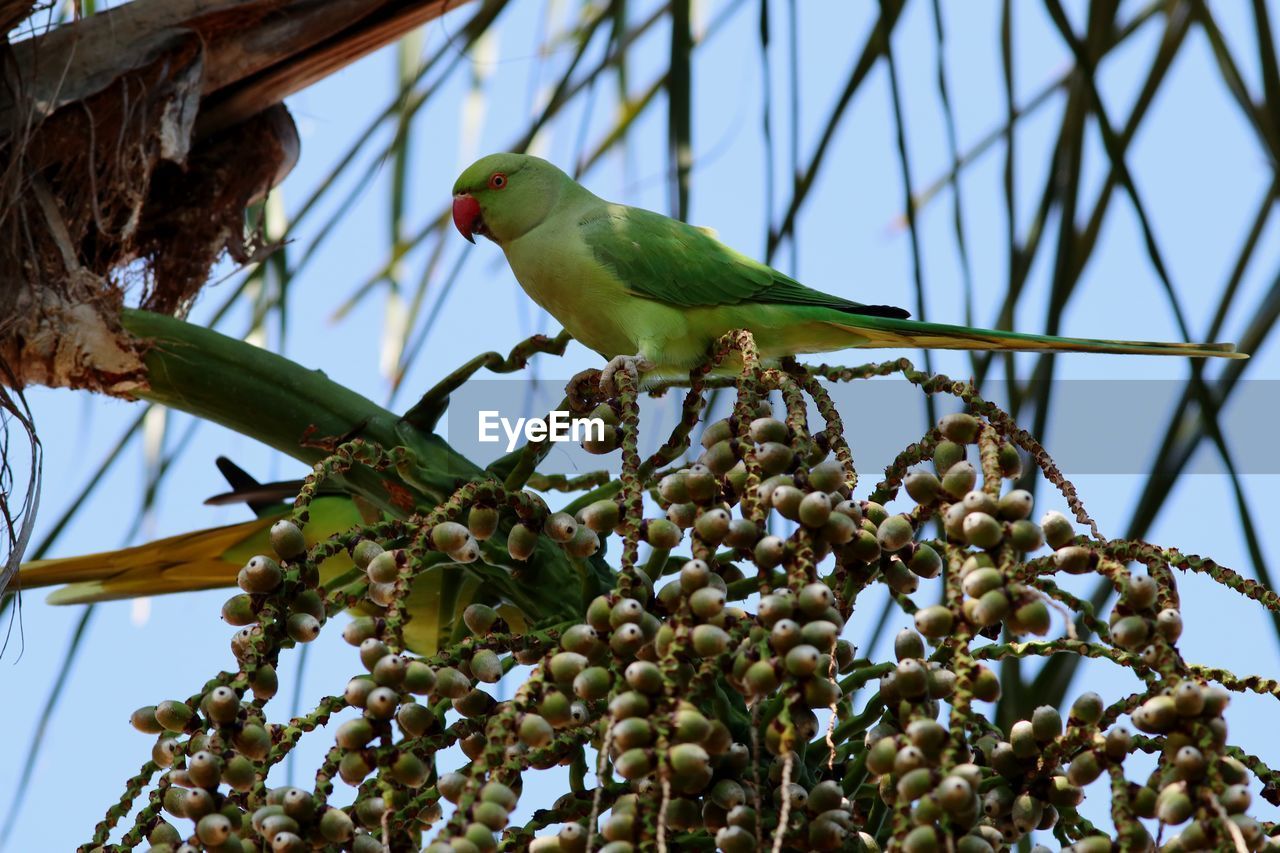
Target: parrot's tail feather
point(177, 564)
point(885, 332)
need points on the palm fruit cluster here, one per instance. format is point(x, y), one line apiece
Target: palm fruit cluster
point(707, 696)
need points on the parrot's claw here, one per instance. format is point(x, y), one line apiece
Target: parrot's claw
point(633, 365)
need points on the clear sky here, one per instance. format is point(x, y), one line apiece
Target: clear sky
point(1195, 160)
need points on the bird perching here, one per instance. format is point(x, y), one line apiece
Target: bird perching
point(652, 294)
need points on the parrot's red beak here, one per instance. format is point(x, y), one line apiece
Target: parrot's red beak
point(466, 216)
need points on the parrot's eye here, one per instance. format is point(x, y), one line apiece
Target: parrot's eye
point(497, 181)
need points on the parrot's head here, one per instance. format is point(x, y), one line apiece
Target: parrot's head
point(505, 195)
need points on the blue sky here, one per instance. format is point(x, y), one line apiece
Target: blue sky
point(1195, 161)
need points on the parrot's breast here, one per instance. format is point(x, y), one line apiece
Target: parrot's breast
point(558, 271)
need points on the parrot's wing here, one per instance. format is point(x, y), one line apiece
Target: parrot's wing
point(664, 259)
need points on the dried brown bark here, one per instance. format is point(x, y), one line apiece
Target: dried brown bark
point(135, 138)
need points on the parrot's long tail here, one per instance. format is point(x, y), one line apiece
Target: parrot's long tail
point(183, 563)
point(888, 332)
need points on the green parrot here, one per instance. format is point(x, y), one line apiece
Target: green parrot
point(653, 294)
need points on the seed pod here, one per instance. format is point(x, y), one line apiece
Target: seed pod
point(486, 666)
point(911, 681)
point(1058, 531)
point(355, 733)
point(385, 567)
point(712, 525)
point(627, 639)
point(981, 530)
point(1188, 699)
point(785, 635)
point(253, 741)
point(945, 456)
point(644, 676)
point(814, 510)
point(303, 627)
point(760, 678)
point(915, 784)
point(359, 629)
point(979, 501)
point(1015, 505)
point(802, 660)
point(986, 684)
point(583, 544)
point(959, 479)
point(1025, 536)
point(565, 666)
point(1130, 632)
point(742, 534)
point(336, 826)
point(716, 432)
point(449, 536)
point(922, 486)
point(764, 430)
point(1046, 723)
point(144, 720)
point(814, 599)
point(1174, 806)
point(700, 483)
point(719, 458)
point(709, 641)
point(1140, 592)
point(260, 575)
point(1190, 763)
point(173, 715)
point(1026, 812)
point(601, 516)
point(953, 521)
point(535, 731)
point(769, 552)
point(419, 678)
point(839, 529)
point(1157, 715)
point(633, 764)
point(935, 621)
point(682, 515)
point(907, 644)
point(981, 580)
point(895, 533)
point(415, 720)
point(451, 684)
point(1169, 624)
point(786, 500)
point(1074, 559)
point(205, 769)
point(1031, 618)
point(925, 562)
point(222, 704)
point(1084, 769)
point(821, 633)
point(592, 683)
point(1235, 799)
point(521, 541)
point(989, 609)
point(662, 534)
point(1087, 709)
point(827, 476)
point(961, 428)
point(238, 610)
point(672, 488)
point(706, 602)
